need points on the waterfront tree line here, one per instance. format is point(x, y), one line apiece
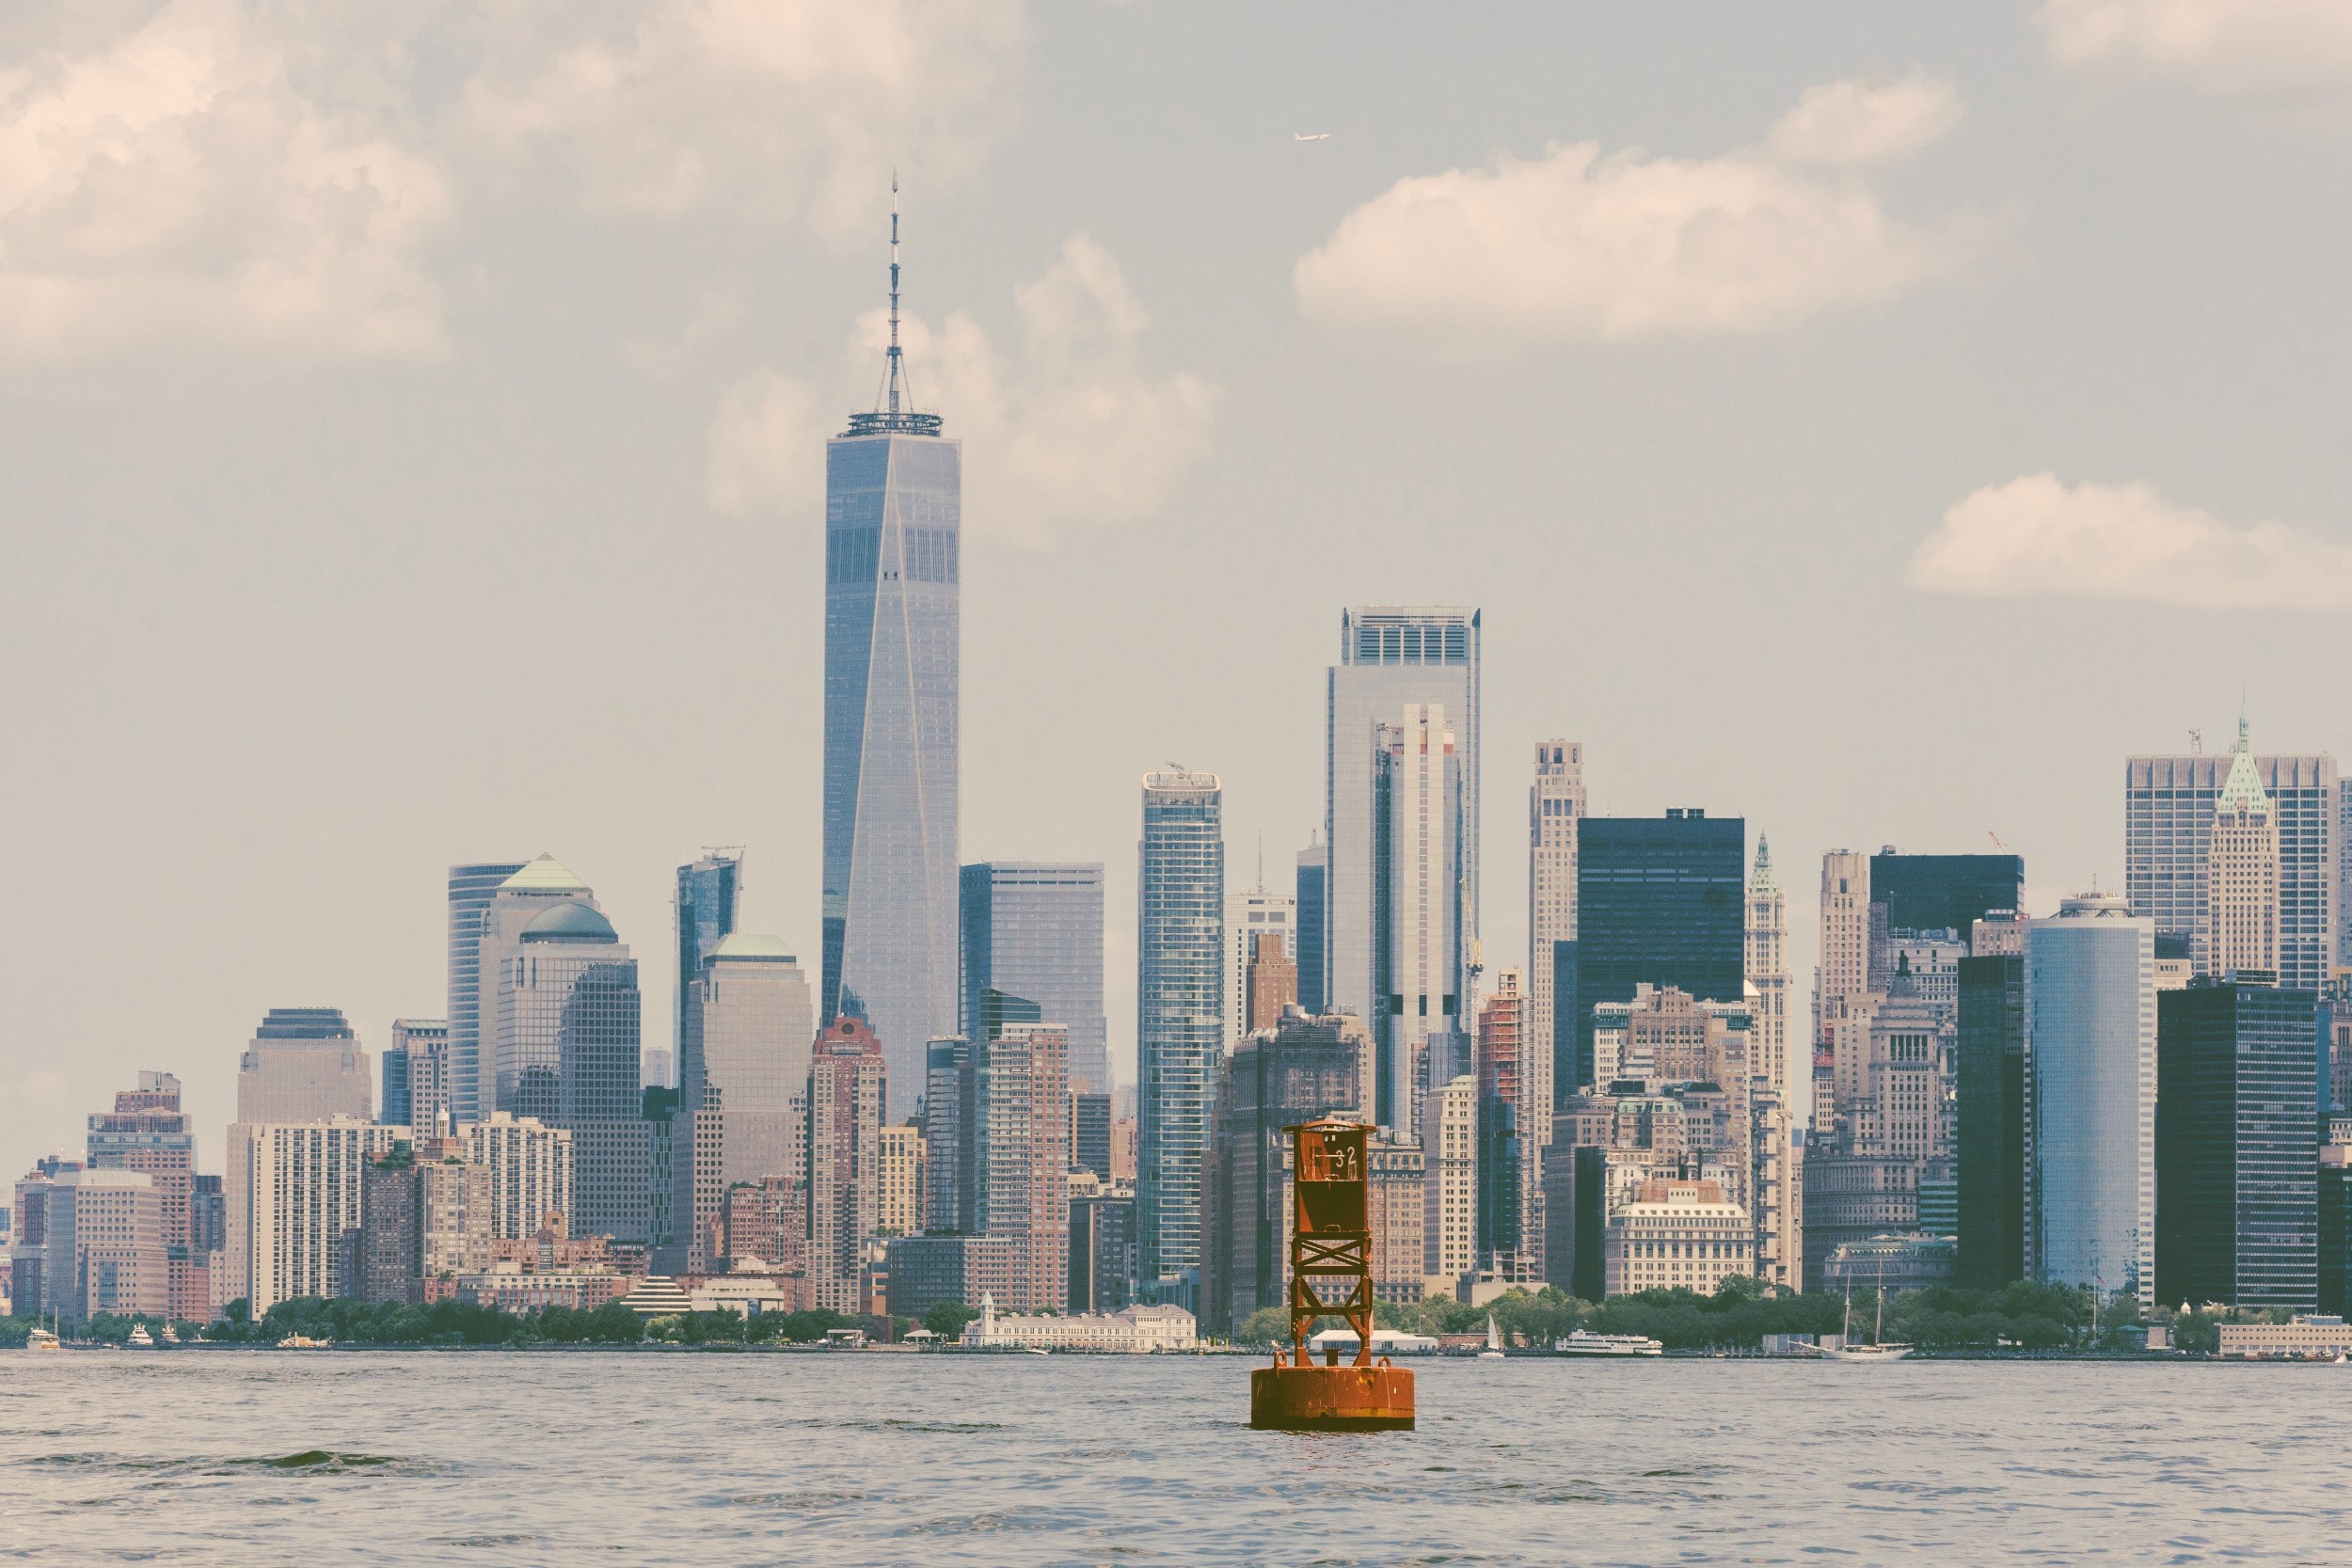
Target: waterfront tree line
point(452, 1325)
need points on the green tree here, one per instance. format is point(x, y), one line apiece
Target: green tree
point(946, 1319)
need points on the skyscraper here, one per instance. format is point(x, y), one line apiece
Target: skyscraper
point(1249, 915)
point(709, 891)
point(1555, 802)
point(1034, 929)
point(471, 890)
point(1180, 1022)
point(1993, 1080)
point(303, 1065)
point(2169, 806)
point(424, 1043)
point(746, 1052)
point(292, 1190)
point(1019, 1126)
point(1313, 925)
point(1389, 656)
point(1660, 901)
point(2242, 874)
point(2090, 1035)
point(538, 1020)
point(845, 1095)
point(2237, 1140)
point(1499, 1067)
point(511, 908)
point(893, 536)
point(1844, 972)
point(1420, 951)
point(102, 1246)
point(1944, 893)
point(1768, 973)
point(147, 1132)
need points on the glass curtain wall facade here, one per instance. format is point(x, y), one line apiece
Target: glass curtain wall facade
point(893, 536)
point(1313, 918)
point(1180, 1025)
point(1992, 1154)
point(1660, 901)
point(1939, 892)
point(708, 891)
point(1034, 929)
point(471, 890)
point(1389, 657)
point(2090, 1036)
point(2238, 1193)
point(2168, 834)
point(1419, 859)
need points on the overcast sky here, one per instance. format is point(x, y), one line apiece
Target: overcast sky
point(1874, 421)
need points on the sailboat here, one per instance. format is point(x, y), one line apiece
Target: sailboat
point(1494, 1341)
point(1877, 1350)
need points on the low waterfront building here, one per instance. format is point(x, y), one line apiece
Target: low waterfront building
point(1677, 1233)
point(748, 1296)
point(511, 1287)
point(1911, 1261)
point(2310, 1336)
point(1136, 1330)
point(657, 1295)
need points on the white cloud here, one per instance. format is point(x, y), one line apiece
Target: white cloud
point(2235, 49)
point(772, 108)
point(173, 186)
point(2039, 537)
point(1066, 427)
point(1576, 245)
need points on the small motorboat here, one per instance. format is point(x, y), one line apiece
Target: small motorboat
point(140, 1338)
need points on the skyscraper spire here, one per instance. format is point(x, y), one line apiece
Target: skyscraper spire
point(894, 413)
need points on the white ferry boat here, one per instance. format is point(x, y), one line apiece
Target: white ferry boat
point(1583, 1343)
point(40, 1338)
point(303, 1341)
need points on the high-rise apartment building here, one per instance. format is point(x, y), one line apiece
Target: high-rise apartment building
point(424, 1044)
point(1390, 658)
point(2237, 1192)
point(292, 1190)
point(1033, 930)
point(1302, 1069)
point(1102, 1250)
point(387, 1261)
point(1313, 925)
point(2168, 807)
point(894, 530)
point(1180, 1021)
point(1397, 1190)
point(471, 890)
point(1019, 1131)
point(1499, 1064)
point(1555, 803)
point(846, 1090)
point(530, 893)
point(1660, 901)
point(1419, 942)
point(147, 1132)
point(743, 1067)
point(899, 1192)
point(531, 1171)
point(945, 1204)
point(305, 1064)
point(2090, 1036)
point(709, 888)
point(2241, 874)
point(1447, 1129)
point(1248, 916)
point(1768, 978)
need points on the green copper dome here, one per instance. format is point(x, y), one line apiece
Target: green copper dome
point(570, 922)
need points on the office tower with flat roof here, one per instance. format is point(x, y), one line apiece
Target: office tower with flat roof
point(1249, 915)
point(536, 889)
point(1842, 976)
point(147, 1132)
point(1660, 901)
point(1419, 941)
point(2168, 808)
point(1944, 893)
point(292, 1190)
point(1033, 930)
point(2241, 874)
point(103, 1247)
point(2237, 1138)
point(1447, 1127)
point(893, 536)
point(945, 1062)
point(391, 1100)
point(1500, 1065)
point(1102, 1251)
point(1090, 1134)
point(1992, 1082)
point(1300, 1070)
point(749, 1021)
point(1179, 1018)
point(471, 890)
point(425, 1044)
point(305, 1064)
point(1313, 925)
point(844, 1096)
point(1390, 656)
point(710, 890)
point(2090, 1036)
point(1555, 802)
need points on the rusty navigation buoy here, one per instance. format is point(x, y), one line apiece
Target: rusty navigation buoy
point(1330, 1244)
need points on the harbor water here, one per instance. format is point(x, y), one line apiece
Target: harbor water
point(246, 1457)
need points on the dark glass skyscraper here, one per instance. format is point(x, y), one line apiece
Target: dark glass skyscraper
point(1991, 1085)
point(1314, 875)
point(1935, 892)
point(893, 543)
point(1034, 929)
point(2237, 1155)
point(709, 891)
point(1660, 901)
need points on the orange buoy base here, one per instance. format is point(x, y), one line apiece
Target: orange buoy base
point(1331, 1399)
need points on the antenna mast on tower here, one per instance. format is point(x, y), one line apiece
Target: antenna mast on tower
point(896, 415)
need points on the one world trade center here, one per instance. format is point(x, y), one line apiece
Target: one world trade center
point(893, 537)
